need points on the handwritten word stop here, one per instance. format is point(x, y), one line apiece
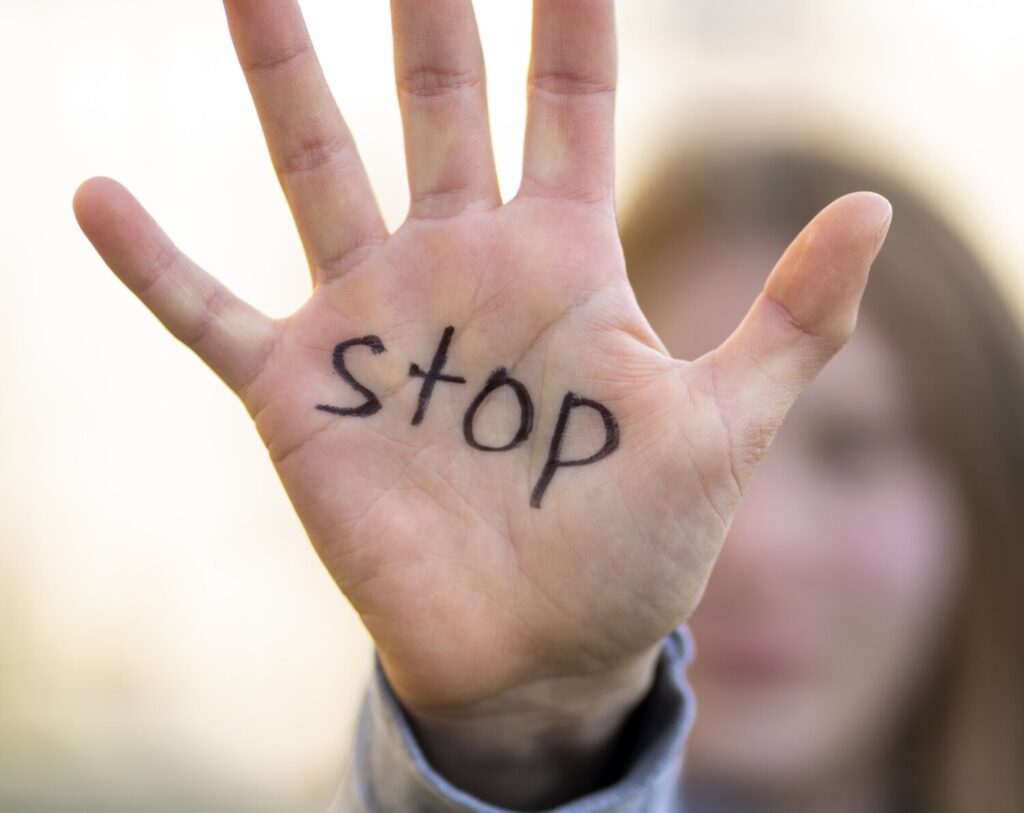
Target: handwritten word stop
point(498, 380)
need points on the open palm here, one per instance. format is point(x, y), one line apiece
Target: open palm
point(489, 447)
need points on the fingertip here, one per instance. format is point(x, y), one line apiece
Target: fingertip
point(80, 200)
point(89, 188)
point(865, 216)
point(883, 210)
point(872, 203)
point(822, 275)
point(92, 197)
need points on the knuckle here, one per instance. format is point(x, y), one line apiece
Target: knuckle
point(313, 153)
point(430, 82)
point(215, 303)
point(279, 59)
point(161, 264)
point(564, 83)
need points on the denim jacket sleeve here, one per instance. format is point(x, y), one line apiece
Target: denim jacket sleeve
point(388, 772)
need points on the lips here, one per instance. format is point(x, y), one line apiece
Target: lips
point(753, 653)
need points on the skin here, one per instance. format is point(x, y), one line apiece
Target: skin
point(514, 635)
point(827, 609)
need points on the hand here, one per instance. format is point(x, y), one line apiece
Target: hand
point(432, 408)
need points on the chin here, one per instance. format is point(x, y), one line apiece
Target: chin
point(766, 741)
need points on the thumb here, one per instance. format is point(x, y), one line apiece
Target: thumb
point(803, 316)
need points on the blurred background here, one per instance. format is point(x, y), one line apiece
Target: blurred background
point(168, 638)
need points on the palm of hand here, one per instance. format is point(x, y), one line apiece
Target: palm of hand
point(478, 567)
point(436, 542)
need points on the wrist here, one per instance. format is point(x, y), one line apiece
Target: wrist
point(539, 744)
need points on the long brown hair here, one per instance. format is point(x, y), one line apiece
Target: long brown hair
point(948, 317)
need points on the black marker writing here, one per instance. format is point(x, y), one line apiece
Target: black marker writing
point(372, 404)
point(553, 464)
point(497, 380)
point(500, 378)
point(433, 375)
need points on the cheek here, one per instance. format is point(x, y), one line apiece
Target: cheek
point(901, 549)
point(896, 574)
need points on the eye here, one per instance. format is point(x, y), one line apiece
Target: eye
point(855, 448)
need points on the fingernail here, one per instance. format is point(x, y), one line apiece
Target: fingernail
point(883, 229)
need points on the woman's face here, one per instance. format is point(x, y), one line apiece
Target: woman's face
point(824, 614)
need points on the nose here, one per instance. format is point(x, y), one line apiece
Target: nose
point(775, 532)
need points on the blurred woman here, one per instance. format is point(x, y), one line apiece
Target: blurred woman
point(859, 644)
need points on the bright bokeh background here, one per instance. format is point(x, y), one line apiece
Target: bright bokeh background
point(168, 638)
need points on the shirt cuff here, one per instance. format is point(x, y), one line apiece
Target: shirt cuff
point(389, 773)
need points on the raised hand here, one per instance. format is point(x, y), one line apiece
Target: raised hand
point(505, 472)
